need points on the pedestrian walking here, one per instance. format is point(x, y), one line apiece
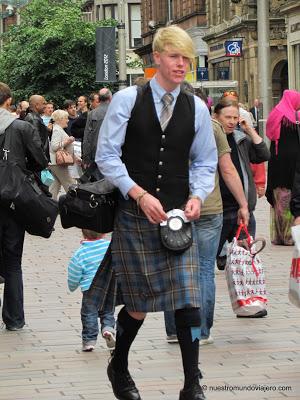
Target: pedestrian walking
point(60, 140)
point(36, 108)
point(93, 124)
point(81, 271)
point(156, 145)
point(208, 230)
point(281, 129)
point(246, 146)
point(25, 149)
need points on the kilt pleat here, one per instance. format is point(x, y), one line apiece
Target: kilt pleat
point(142, 274)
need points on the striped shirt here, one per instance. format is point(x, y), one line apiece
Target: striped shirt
point(85, 263)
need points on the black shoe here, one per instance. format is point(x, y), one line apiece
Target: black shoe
point(14, 328)
point(221, 262)
point(122, 384)
point(194, 392)
point(259, 314)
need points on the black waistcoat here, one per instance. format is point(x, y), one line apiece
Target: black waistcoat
point(159, 161)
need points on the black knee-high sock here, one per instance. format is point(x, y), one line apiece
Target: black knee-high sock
point(188, 320)
point(127, 329)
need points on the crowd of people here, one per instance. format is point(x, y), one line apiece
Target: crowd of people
point(167, 150)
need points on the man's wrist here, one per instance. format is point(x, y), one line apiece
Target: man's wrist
point(194, 196)
point(140, 196)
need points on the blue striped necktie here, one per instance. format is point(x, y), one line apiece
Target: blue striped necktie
point(166, 112)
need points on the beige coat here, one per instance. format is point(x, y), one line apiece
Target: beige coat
point(58, 136)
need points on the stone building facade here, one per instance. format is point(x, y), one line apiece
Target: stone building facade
point(292, 12)
point(238, 20)
point(188, 14)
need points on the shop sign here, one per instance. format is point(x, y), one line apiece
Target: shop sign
point(202, 74)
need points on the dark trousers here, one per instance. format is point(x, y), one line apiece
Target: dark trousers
point(230, 227)
point(11, 249)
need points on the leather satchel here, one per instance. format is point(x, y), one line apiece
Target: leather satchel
point(89, 205)
point(64, 157)
point(176, 233)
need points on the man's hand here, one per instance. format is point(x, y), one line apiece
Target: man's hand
point(192, 209)
point(243, 216)
point(153, 209)
point(297, 221)
point(251, 132)
point(260, 191)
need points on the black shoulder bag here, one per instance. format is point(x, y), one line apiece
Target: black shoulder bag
point(21, 194)
point(90, 204)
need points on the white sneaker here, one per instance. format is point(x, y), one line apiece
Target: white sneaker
point(88, 346)
point(208, 340)
point(172, 339)
point(110, 339)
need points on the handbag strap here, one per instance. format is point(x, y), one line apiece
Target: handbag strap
point(91, 174)
point(5, 145)
point(298, 124)
point(245, 229)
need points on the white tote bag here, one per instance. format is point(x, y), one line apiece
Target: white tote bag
point(294, 281)
point(245, 275)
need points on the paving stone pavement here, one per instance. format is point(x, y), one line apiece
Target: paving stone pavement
point(250, 358)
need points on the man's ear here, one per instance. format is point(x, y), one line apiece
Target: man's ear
point(156, 57)
point(8, 102)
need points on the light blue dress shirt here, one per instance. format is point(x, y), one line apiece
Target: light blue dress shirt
point(203, 152)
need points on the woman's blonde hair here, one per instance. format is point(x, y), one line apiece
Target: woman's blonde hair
point(175, 37)
point(59, 114)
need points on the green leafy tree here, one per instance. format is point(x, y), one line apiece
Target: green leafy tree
point(52, 51)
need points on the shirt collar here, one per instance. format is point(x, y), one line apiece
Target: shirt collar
point(158, 91)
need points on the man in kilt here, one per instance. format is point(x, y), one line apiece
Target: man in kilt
point(156, 145)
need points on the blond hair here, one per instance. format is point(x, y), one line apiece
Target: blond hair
point(175, 37)
point(59, 115)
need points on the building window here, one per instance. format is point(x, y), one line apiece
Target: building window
point(110, 11)
point(225, 10)
point(134, 20)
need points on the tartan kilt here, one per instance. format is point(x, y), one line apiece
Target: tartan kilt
point(142, 274)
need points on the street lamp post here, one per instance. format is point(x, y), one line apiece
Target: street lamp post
point(264, 59)
point(122, 45)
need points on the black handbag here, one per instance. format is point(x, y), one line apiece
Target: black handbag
point(24, 195)
point(90, 205)
point(176, 232)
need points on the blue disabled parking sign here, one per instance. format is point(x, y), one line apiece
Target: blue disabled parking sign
point(233, 48)
point(202, 74)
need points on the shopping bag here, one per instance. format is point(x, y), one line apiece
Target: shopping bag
point(245, 275)
point(46, 177)
point(294, 280)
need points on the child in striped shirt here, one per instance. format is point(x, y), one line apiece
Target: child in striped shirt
point(81, 271)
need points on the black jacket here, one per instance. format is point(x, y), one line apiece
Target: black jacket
point(78, 126)
point(250, 153)
point(25, 144)
point(295, 200)
point(36, 121)
point(91, 132)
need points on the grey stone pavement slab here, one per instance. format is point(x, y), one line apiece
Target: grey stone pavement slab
point(250, 358)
